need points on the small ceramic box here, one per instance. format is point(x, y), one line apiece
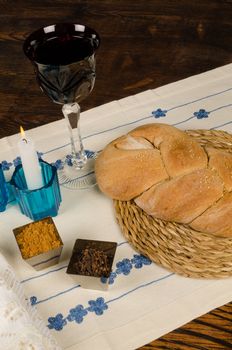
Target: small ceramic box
point(91, 263)
point(41, 259)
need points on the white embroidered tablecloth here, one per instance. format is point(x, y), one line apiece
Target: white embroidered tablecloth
point(21, 328)
point(144, 301)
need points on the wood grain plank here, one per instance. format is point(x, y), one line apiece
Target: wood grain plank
point(210, 331)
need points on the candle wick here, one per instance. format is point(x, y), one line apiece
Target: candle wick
point(25, 140)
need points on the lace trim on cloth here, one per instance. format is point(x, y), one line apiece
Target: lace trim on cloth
point(21, 328)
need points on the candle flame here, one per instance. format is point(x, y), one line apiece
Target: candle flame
point(22, 132)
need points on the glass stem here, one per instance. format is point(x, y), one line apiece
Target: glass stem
point(71, 112)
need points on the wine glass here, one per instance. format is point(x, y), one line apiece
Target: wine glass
point(63, 56)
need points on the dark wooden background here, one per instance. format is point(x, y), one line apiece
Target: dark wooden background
point(145, 44)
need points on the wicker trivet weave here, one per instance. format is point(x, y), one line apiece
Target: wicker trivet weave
point(175, 246)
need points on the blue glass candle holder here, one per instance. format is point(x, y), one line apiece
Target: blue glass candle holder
point(11, 196)
point(3, 191)
point(42, 202)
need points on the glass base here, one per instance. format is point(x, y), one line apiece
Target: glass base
point(75, 178)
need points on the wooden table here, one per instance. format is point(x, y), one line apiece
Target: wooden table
point(145, 44)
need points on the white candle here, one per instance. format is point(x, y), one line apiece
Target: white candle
point(30, 162)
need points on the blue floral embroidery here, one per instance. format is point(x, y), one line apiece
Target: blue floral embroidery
point(98, 306)
point(202, 113)
point(112, 277)
point(58, 164)
point(68, 160)
point(77, 314)
point(140, 260)
point(6, 165)
point(57, 322)
point(159, 113)
point(89, 154)
point(17, 161)
point(124, 267)
point(33, 300)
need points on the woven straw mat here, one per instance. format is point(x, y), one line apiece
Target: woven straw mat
point(175, 246)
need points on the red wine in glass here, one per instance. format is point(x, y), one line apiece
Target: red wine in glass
point(63, 56)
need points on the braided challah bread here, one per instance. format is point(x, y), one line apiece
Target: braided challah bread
point(170, 176)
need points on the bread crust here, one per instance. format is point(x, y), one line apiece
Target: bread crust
point(216, 219)
point(170, 176)
point(183, 198)
point(125, 173)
